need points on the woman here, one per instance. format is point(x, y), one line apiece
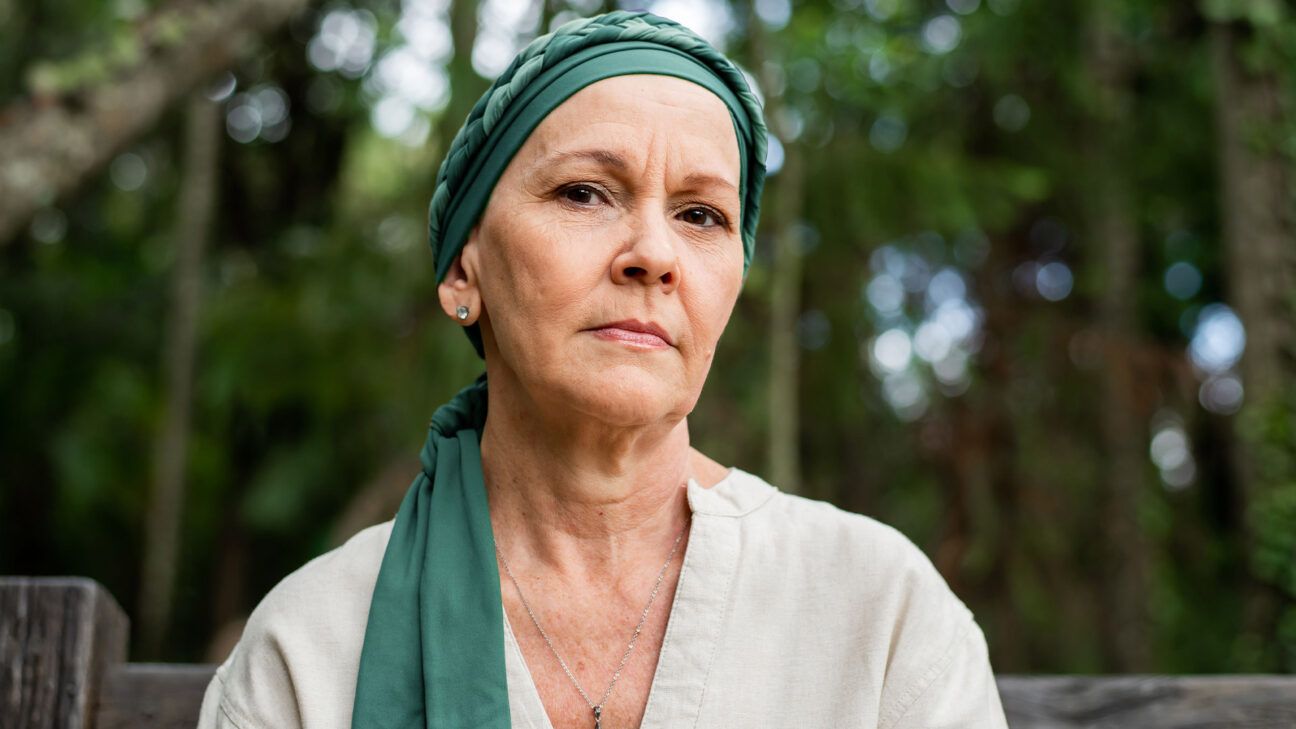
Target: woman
point(569, 560)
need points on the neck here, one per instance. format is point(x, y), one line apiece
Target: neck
point(578, 496)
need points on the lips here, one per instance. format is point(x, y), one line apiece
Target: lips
point(645, 330)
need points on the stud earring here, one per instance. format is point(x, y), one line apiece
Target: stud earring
point(462, 312)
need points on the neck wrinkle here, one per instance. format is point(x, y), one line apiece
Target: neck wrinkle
point(586, 507)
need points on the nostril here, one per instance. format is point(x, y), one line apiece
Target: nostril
point(667, 277)
point(634, 271)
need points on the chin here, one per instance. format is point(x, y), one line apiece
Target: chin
point(623, 395)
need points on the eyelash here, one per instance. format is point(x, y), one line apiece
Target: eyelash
point(562, 191)
point(721, 220)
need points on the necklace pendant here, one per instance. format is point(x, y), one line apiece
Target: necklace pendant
point(598, 722)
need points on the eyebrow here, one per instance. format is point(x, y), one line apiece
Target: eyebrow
point(703, 179)
point(602, 156)
point(611, 159)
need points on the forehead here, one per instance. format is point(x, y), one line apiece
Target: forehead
point(639, 113)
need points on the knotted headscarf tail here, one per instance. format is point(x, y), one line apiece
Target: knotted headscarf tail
point(433, 653)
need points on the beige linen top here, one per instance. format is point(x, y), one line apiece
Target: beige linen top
point(789, 613)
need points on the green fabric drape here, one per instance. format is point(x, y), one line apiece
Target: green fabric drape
point(433, 653)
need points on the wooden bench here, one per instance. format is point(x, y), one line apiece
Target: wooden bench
point(63, 665)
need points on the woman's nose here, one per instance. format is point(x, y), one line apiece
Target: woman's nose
point(651, 258)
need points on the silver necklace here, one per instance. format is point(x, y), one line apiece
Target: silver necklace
point(596, 708)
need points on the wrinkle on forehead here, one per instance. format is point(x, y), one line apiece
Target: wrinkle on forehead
point(633, 109)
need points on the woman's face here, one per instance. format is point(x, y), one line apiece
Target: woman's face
point(619, 213)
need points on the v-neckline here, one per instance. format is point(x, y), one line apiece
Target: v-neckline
point(692, 634)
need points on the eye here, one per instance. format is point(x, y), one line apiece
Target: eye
point(700, 216)
point(580, 194)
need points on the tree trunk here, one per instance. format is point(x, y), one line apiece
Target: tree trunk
point(548, 9)
point(1255, 202)
point(1259, 237)
point(986, 494)
point(196, 210)
point(465, 85)
point(784, 212)
point(1113, 228)
point(785, 310)
point(51, 145)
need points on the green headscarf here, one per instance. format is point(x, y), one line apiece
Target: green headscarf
point(433, 652)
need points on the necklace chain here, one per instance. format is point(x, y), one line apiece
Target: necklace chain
point(596, 708)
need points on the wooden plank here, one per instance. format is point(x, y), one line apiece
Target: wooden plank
point(1149, 702)
point(153, 696)
point(168, 696)
point(58, 636)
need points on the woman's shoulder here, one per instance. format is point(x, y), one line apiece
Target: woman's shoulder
point(295, 664)
point(804, 544)
point(345, 574)
point(329, 595)
point(867, 559)
point(873, 594)
point(848, 542)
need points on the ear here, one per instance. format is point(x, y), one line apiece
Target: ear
point(460, 287)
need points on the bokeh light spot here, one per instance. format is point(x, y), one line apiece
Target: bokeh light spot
point(892, 350)
point(952, 369)
point(504, 27)
point(888, 133)
point(773, 155)
point(885, 294)
point(1218, 341)
point(1012, 113)
point(932, 342)
point(881, 9)
point(941, 34)
point(1182, 280)
point(958, 318)
point(222, 88)
point(880, 67)
point(1053, 280)
point(905, 394)
point(128, 172)
point(710, 19)
point(345, 42)
point(260, 112)
point(1221, 394)
point(1169, 448)
point(774, 13)
point(947, 284)
point(392, 116)
point(48, 225)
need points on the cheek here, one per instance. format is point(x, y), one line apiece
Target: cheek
point(710, 298)
point(539, 274)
